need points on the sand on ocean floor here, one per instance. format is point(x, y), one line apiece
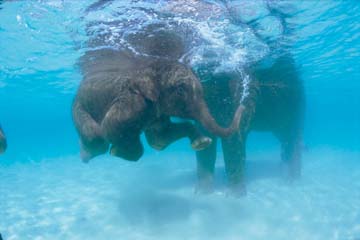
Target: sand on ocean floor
point(110, 198)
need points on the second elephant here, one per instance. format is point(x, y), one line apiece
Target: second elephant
point(275, 103)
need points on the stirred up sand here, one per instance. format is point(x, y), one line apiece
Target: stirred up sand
point(154, 199)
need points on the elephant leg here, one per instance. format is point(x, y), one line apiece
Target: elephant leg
point(234, 147)
point(3, 143)
point(291, 149)
point(164, 132)
point(205, 163)
point(234, 151)
point(129, 148)
point(92, 142)
point(122, 127)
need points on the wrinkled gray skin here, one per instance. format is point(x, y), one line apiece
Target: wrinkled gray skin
point(275, 103)
point(123, 94)
point(3, 143)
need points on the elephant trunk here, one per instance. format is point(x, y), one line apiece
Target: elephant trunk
point(209, 123)
point(3, 143)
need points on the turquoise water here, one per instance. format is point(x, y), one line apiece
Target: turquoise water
point(46, 192)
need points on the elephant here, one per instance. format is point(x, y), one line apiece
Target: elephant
point(275, 103)
point(3, 142)
point(123, 94)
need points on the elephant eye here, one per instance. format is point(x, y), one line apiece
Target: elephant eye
point(180, 90)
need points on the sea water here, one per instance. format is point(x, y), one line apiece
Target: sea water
point(46, 192)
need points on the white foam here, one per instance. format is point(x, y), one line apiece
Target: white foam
point(217, 41)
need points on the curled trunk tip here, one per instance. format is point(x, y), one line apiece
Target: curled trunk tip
point(211, 125)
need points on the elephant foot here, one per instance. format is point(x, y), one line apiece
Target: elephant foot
point(158, 145)
point(237, 190)
point(204, 187)
point(127, 154)
point(201, 143)
point(87, 153)
point(291, 172)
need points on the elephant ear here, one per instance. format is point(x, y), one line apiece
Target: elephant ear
point(146, 87)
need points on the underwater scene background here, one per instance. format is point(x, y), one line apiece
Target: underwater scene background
point(46, 192)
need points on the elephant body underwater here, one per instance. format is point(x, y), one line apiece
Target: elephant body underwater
point(124, 94)
point(3, 143)
point(275, 103)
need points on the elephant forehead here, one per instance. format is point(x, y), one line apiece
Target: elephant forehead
point(180, 72)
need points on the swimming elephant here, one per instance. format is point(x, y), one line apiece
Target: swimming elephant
point(3, 143)
point(123, 94)
point(275, 103)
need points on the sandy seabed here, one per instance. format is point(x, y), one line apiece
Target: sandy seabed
point(154, 198)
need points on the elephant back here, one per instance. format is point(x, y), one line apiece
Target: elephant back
point(158, 40)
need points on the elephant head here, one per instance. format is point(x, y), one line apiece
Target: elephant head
point(181, 95)
point(3, 143)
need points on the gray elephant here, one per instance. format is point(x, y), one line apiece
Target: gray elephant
point(275, 103)
point(124, 94)
point(3, 143)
